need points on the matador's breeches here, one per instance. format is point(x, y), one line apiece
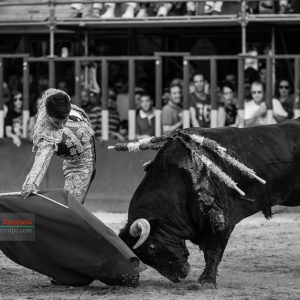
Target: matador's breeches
point(78, 175)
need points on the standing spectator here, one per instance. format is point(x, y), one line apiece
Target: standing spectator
point(285, 97)
point(6, 97)
point(88, 103)
point(262, 72)
point(227, 112)
point(62, 85)
point(256, 108)
point(14, 84)
point(199, 103)
point(122, 101)
point(113, 118)
point(231, 77)
point(145, 120)
point(89, 77)
point(37, 90)
point(138, 92)
point(172, 111)
point(14, 120)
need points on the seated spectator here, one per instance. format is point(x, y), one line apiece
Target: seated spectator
point(266, 7)
point(285, 98)
point(145, 120)
point(109, 10)
point(213, 7)
point(271, 6)
point(89, 104)
point(256, 108)
point(160, 9)
point(285, 7)
point(206, 7)
point(14, 120)
point(172, 111)
point(143, 10)
point(262, 72)
point(76, 10)
point(227, 111)
point(200, 105)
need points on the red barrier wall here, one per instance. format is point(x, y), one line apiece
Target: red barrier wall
point(118, 173)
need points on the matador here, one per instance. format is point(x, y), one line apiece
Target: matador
point(64, 130)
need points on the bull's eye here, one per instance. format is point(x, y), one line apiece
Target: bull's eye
point(186, 253)
point(152, 248)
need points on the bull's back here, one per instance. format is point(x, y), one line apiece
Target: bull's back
point(272, 151)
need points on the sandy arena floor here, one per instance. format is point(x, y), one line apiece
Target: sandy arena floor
point(262, 261)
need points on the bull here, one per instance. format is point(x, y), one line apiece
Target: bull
point(195, 190)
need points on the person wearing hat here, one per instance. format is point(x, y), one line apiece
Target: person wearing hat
point(65, 130)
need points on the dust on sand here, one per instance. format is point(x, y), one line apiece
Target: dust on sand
point(261, 261)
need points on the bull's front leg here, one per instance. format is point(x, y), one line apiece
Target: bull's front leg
point(213, 250)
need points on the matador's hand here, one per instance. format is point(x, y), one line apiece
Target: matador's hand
point(29, 189)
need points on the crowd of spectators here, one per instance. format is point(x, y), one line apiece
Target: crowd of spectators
point(255, 108)
point(127, 10)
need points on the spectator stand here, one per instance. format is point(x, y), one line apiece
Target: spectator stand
point(157, 60)
point(52, 15)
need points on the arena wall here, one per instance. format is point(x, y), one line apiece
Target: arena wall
point(118, 173)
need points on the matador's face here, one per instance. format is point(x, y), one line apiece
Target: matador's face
point(58, 123)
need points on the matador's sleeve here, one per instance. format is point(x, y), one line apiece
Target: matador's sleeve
point(45, 140)
point(43, 155)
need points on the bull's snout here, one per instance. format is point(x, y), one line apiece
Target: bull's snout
point(185, 271)
point(179, 275)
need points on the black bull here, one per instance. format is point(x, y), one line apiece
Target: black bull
point(182, 201)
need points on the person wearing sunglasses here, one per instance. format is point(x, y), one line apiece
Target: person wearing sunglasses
point(286, 99)
point(64, 130)
point(256, 108)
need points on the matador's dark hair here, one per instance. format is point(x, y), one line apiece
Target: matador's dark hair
point(58, 106)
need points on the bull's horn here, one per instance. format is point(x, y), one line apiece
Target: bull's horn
point(141, 228)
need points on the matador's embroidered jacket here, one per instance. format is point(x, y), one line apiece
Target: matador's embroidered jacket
point(74, 144)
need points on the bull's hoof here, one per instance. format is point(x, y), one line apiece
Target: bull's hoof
point(207, 283)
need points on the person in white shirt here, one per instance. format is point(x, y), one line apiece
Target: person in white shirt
point(256, 108)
